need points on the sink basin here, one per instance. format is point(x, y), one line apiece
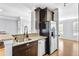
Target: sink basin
point(22, 40)
point(27, 39)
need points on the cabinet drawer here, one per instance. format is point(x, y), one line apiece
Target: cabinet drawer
point(27, 45)
point(34, 43)
point(28, 49)
point(19, 47)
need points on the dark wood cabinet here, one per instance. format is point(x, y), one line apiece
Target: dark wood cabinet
point(28, 49)
point(34, 50)
point(1, 45)
point(44, 14)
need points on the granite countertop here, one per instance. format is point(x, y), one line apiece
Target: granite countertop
point(33, 38)
point(4, 37)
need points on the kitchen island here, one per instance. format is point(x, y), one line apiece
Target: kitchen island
point(28, 40)
point(32, 46)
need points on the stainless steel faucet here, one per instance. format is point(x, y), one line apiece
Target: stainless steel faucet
point(25, 32)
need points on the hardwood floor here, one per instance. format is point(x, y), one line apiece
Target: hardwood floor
point(66, 48)
point(2, 49)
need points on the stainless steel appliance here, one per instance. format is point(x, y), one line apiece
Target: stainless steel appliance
point(48, 29)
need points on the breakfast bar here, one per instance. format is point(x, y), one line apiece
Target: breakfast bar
point(16, 46)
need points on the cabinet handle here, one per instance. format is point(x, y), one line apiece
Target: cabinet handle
point(28, 44)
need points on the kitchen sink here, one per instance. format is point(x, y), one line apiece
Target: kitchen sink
point(22, 40)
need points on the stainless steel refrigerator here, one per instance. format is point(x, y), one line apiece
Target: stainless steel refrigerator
point(48, 28)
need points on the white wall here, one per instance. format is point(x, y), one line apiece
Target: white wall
point(9, 26)
point(66, 15)
point(23, 20)
point(33, 22)
point(26, 21)
point(68, 12)
point(68, 29)
point(18, 10)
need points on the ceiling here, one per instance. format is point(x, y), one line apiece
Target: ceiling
point(20, 9)
point(68, 12)
point(32, 5)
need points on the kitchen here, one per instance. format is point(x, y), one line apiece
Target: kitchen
point(39, 29)
point(21, 31)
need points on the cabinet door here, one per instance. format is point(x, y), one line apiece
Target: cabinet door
point(43, 14)
point(49, 15)
point(33, 49)
point(27, 52)
point(41, 47)
point(28, 49)
point(19, 50)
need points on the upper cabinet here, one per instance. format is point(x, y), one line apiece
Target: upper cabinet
point(50, 15)
point(44, 14)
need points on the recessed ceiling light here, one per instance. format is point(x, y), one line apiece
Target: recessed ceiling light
point(1, 10)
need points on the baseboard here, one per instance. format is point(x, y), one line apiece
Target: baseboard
point(69, 39)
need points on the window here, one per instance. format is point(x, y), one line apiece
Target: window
point(75, 28)
point(61, 29)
